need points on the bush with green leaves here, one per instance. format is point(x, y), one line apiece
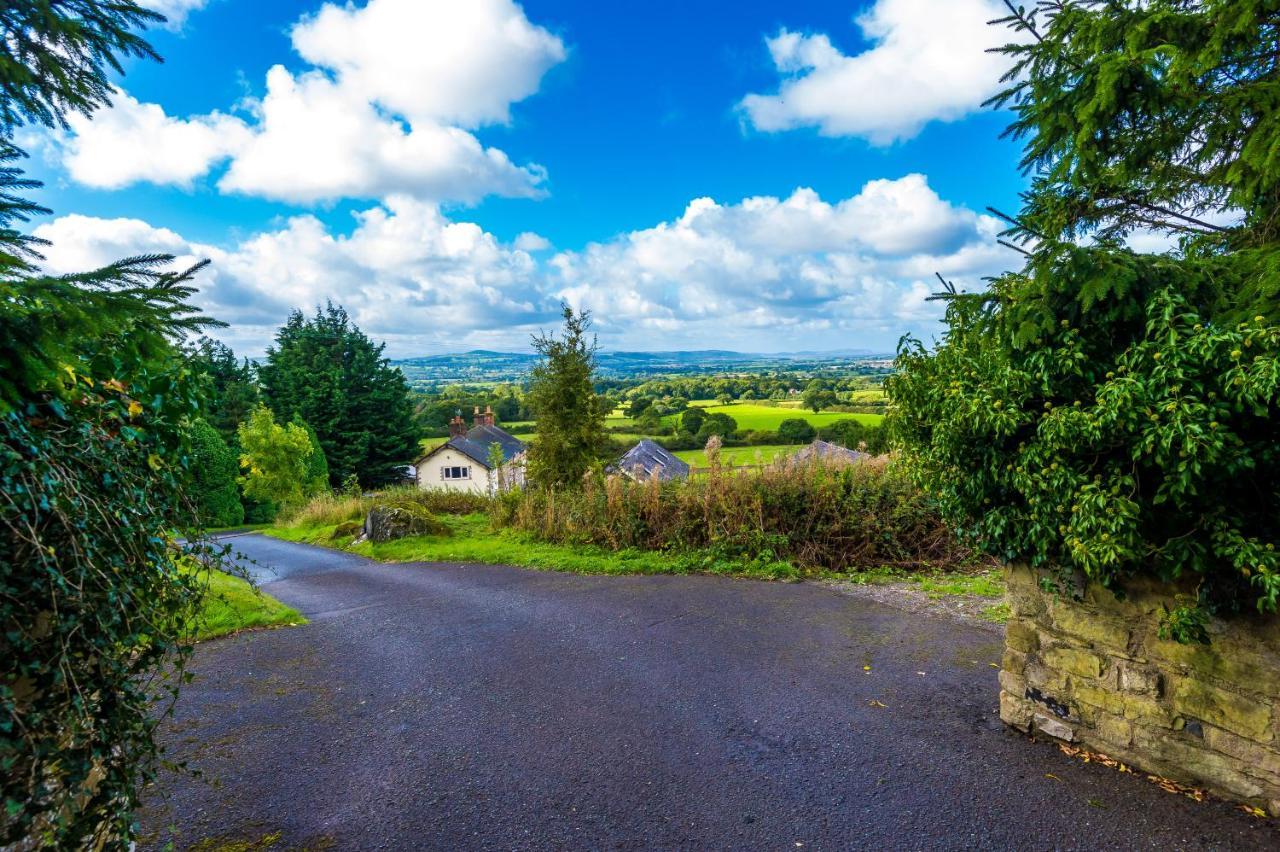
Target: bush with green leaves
point(796, 430)
point(213, 492)
point(276, 458)
point(1105, 413)
point(96, 402)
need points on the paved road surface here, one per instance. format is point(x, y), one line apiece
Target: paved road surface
point(477, 707)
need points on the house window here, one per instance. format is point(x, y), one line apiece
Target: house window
point(457, 473)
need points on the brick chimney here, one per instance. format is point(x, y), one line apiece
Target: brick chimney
point(488, 415)
point(457, 426)
point(477, 419)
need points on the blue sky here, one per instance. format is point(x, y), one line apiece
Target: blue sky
point(760, 176)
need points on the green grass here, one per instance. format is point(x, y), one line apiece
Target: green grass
point(749, 415)
point(739, 455)
point(473, 540)
point(986, 585)
point(231, 605)
point(429, 444)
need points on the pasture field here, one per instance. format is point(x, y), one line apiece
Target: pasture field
point(739, 455)
point(754, 416)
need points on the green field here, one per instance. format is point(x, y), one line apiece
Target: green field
point(739, 455)
point(752, 416)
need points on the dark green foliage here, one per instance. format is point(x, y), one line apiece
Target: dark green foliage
point(845, 518)
point(796, 431)
point(95, 407)
point(817, 396)
point(317, 476)
point(571, 436)
point(1152, 114)
point(691, 420)
point(328, 372)
point(214, 468)
point(233, 390)
point(856, 436)
point(1105, 412)
point(718, 424)
point(57, 54)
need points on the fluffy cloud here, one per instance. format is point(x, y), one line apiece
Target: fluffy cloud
point(131, 142)
point(406, 273)
point(433, 60)
point(399, 85)
point(764, 273)
point(175, 10)
point(928, 62)
point(318, 140)
point(799, 266)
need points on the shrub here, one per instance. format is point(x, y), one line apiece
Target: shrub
point(796, 431)
point(839, 519)
point(213, 493)
point(1106, 413)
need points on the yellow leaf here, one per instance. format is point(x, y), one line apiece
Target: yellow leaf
point(135, 408)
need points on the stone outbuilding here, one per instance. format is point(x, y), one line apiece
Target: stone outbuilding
point(828, 453)
point(648, 459)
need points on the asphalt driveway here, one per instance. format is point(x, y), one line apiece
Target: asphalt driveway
point(481, 707)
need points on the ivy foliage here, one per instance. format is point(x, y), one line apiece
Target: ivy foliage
point(1102, 412)
point(95, 407)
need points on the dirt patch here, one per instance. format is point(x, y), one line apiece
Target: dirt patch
point(974, 610)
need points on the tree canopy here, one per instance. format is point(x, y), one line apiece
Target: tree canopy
point(1103, 411)
point(328, 372)
point(570, 416)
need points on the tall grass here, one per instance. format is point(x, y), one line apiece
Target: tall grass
point(332, 509)
point(835, 518)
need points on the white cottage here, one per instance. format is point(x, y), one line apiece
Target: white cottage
point(462, 462)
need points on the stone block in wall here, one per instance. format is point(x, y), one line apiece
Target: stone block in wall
point(1095, 627)
point(1138, 679)
point(1223, 708)
point(1074, 661)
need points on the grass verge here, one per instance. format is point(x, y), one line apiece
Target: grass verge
point(473, 540)
point(231, 604)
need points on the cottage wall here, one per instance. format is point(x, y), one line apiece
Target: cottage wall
point(431, 473)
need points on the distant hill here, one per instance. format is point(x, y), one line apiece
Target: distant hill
point(484, 366)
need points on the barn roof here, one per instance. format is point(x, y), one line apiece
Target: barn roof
point(826, 451)
point(646, 457)
point(475, 445)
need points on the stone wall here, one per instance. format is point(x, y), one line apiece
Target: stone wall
point(1094, 673)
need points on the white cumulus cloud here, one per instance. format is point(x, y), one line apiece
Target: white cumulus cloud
point(396, 89)
point(797, 272)
point(175, 11)
point(927, 62)
point(799, 265)
point(131, 142)
point(434, 60)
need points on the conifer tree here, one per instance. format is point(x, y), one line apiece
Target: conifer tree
point(570, 416)
point(328, 372)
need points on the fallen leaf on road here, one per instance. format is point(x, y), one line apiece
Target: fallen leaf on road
point(1051, 775)
point(874, 703)
point(1254, 812)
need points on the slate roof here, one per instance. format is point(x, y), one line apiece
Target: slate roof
point(645, 457)
point(475, 445)
point(826, 451)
